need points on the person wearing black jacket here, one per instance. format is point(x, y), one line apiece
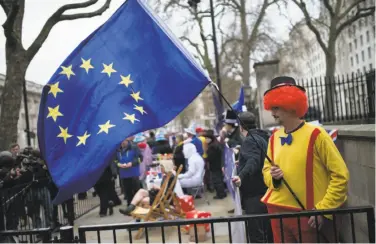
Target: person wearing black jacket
point(162, 147)
point(178, 157)
point(250, 179)
point(214, 157)
point(102, 188)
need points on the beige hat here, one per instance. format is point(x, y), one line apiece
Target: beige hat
point(167, 164)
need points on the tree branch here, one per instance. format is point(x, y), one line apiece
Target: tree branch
point(258, 22)
point(347, 11)
point(98, 12)
point(366, 12)
point(310, 25)
point(60, 16)
point(195, 45)
point(6, 6)
point(10, 21)
point(329, 8)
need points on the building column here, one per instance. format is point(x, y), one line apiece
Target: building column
point(265, 72)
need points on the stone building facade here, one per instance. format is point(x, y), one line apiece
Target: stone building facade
point(34, 92)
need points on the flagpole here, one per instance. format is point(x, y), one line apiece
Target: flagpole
point(193, 4)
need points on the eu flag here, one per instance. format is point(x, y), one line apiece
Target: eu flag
point(128, 76)
point(238, 105)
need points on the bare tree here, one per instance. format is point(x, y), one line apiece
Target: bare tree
point(339, 14)
point(18, 58)
point(251, 20)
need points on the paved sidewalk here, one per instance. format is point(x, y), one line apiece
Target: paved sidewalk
point(218, 208)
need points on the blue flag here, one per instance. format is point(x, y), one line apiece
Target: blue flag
point(128, 76)
point(238, 105)
point(229, 170)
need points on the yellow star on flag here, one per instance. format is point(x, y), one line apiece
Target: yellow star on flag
point(67, 71)
point(54, 89)
point(136, 96)
point(54, 113)
point(126, 80)
point(108, 69)
point(105, 127)
point(82, 139)
point(86, 65)
point(130, 117)
point(140, 109)
point(64, 134)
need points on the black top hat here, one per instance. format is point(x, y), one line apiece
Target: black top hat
point(230, 117)
point(283, 81)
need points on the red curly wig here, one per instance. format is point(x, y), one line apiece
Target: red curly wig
point(288, 98)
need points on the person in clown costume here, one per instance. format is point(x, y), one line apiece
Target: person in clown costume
point(306, 157)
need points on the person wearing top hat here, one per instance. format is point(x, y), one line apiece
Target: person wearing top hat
point(232, 129)
point(306, 157)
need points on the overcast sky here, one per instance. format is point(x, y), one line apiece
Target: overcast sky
point(66, 35)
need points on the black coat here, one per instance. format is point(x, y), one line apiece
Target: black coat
point(106, 177)
point(235, 138)
point(179, 158)
point(162, 147)
point(251, 162)
point(215, 155)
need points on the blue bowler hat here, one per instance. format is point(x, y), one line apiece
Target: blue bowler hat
point(139, 137)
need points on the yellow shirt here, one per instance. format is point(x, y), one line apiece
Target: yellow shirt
point(311, 165)
point(204, 145)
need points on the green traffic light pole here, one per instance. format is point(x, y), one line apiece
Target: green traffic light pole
point(193, 4)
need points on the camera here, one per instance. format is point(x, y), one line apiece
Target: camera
point(30, 160)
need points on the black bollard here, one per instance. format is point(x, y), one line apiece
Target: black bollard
point(66, 234)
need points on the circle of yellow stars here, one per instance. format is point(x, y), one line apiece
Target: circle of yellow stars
point(54, 112)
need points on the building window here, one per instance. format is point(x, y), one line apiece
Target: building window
point(364, 69)
point(349, 32)
point(370, 67)
point(350, 46)
point(369, 52)
point(367, 36)
point(354, 29)
point(358, 71)
point(363, 56)
point(357, 59)
point(352, 61)
point(355, 43)
point(361, 40)
point(360, 23)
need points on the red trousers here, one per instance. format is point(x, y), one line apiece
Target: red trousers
point(291, 230)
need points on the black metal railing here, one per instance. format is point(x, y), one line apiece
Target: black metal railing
point(29, 206)
point(26, 236)
point(341, 99)
point(360, 219)
point(162, 225)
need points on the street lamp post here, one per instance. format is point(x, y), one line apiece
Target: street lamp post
point(26, 107)
point(193, 4)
